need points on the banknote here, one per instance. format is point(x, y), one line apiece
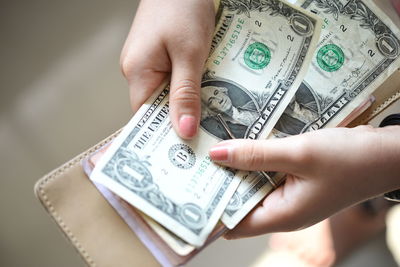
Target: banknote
point(357, 51)
point(171, 180)
point(259, 55)
point(128, 214)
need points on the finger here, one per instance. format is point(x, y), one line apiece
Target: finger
point(144, 69)
point(283, 155)
point(282, 211)
point(145, 65)
point(185, 95)
point(143, 84)
point(188, 54)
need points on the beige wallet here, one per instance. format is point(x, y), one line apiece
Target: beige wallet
point(95, 229)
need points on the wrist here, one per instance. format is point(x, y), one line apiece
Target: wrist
point(390, 156)
point(392, 120)
point(374, 162)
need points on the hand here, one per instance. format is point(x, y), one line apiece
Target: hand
point(170, 36)
point(328, 170)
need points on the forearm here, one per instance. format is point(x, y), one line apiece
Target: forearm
point(371, 164)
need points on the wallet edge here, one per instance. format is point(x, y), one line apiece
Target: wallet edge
point(40, 192)
point(365, 118)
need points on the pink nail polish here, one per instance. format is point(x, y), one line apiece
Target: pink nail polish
point(187, 126)
point(220, 154)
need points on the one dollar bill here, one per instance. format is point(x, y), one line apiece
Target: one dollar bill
point(358, 49)
point(171, 180)
point(260, 54)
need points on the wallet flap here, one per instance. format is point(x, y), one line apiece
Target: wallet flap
point(87, 219)
point(387, 94)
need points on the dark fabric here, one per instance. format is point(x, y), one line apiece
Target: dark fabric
point(393, 119)
point(393, 196)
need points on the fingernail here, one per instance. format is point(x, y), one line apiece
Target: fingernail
point(187, 126)
point(229, 236)
point(219, 153)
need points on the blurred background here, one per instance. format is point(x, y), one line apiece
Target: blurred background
point(61, 92)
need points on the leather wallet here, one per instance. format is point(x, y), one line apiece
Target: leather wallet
point(97, 231)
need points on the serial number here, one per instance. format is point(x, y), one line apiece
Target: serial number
point(229, 44)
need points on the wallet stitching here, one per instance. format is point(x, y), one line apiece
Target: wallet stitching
point(46, 201)
point(381, 107)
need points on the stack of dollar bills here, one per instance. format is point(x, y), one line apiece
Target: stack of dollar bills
point(274, 70)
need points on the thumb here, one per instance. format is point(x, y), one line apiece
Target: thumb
point(185, 95)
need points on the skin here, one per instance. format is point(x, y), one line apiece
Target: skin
point(328, 170)
point(169, 38)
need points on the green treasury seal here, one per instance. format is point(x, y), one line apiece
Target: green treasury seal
point(257, 56)
point(330, 57)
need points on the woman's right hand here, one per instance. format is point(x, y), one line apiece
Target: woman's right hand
point(328, 170)
point(170, 37)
